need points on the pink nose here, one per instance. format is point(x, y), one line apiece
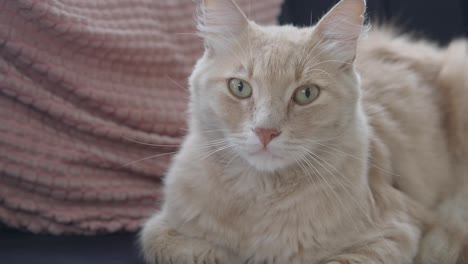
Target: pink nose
point(267, 134)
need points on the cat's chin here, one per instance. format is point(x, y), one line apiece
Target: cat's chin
point(267, 161)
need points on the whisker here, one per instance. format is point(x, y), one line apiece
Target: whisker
point(316, 158)
point(149, 157)
point(210, 143)
point(345, 208)
point(318, 140)
point(178, 85)
point(186, 33)
point(150, 144)
point(218, 130)
point(323, 160)
point(301, 165)
point(330, 196)
point(368, 217)
point(217, 150)
point(353, 156)
point(236, 155)
point(227, 154)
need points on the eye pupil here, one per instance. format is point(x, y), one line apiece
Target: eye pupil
point(307, 92)
point(240, 86)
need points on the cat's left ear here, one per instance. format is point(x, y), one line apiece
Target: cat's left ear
point(220, 22)
point(339, 30)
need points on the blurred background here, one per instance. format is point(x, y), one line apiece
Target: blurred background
point(439, 21)
point(87, 88)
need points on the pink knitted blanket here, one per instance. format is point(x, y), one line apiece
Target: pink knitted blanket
point(81, 82)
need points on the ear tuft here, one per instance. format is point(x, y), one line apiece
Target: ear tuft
point(220, 21)
point(342, 27)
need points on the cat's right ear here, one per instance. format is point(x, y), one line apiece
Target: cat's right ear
point(220, 22)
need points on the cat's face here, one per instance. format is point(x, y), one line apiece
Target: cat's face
point(274, 94)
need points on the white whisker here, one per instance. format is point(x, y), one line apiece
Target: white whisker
point(217, 150)
point(150, 144)
point(149, 157)
point(178, 85)
point(367, 215)
point(330, 196)
point(317, 158)
point(353, 156)
point(236, 155)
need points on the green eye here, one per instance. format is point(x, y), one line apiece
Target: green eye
point(240, 89)
point(306, 94)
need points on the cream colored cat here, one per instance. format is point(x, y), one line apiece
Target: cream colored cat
point(328, 144)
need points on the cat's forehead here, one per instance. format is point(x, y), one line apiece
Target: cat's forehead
point(279, 38)
point(285, 32)
point(278, 50)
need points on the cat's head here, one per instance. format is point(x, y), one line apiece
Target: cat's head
point(273, 94)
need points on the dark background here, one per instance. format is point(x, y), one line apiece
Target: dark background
point(438, 20)
point(435, 19)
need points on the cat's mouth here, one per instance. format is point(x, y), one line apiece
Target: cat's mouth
point(265, 153)
point(266, 159)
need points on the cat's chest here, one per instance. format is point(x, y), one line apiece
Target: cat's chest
point(301, 227)
point(287, 225)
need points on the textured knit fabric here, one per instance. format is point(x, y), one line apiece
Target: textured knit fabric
point(81, 82)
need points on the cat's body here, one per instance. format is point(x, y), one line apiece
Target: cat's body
point(361, 169)
point(404, 105)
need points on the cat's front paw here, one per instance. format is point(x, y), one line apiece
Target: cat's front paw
point(190, 253)
point(164, 245)
point(169, 247)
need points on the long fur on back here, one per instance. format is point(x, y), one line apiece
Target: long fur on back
point(446, 241)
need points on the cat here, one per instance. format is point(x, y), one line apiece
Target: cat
point(335, 143)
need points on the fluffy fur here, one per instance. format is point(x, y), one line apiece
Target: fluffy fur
point(375, 165)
